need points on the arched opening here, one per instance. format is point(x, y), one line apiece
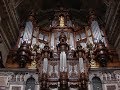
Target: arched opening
point(97, 84)
point(30, 84)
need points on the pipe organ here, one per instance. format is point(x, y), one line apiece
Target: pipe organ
point(63, 52)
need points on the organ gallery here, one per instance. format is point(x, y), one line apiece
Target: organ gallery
point(62, 54)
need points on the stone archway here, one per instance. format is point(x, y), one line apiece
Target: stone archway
point(97, 84)
point(30, 84)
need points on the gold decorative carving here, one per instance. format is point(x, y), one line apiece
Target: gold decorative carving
point(61, 21)
point(33, 65)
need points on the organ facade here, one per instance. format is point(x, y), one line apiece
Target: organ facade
point(64, 55)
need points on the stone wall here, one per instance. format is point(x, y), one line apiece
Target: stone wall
point(110, 78)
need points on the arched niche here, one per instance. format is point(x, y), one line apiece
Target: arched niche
point(30, 84)
point(97, 84)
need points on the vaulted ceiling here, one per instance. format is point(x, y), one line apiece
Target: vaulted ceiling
point(25, 6)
